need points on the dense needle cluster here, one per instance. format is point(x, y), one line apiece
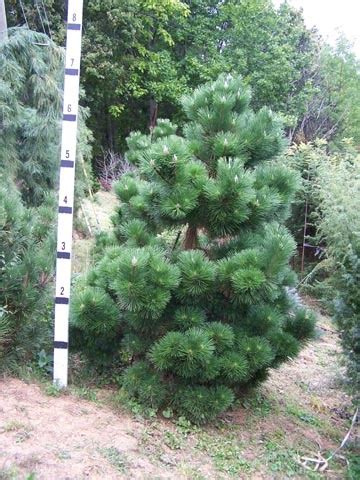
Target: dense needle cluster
point(192, 287)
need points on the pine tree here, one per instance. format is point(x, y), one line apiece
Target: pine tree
point(192, 287)
point(27, 243)
point(31, 91)
point(31, 68)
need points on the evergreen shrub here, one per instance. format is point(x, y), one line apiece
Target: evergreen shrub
point(27, 246)
point(191, 289)
point(338, 223)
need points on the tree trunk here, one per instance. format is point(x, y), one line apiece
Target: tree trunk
point(110, 132)
point(153, 113)
point(191, 238)
point(3, 22)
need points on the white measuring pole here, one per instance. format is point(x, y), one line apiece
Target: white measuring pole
point(66, 190)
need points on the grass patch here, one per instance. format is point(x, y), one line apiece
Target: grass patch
point(303, 415)
point(173, 440)
point(353, 470)
point(86, 393)
point(12, 474)
point(191, 473)
point(13, 426)
point(259, 404)
point(226, 454)
point(116, 458)
point(8, 474)
point(283, 460)
point(53, 390)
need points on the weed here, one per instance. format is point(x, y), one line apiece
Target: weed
point(63, 455)
point(116, 458)
point(22, 435)
point(283, 462)
point(168, 413)
point(280, 459)
point(185, 427)
point(259, 404)
point(191, 473)
point(303, 415)
point(53, 390)
point(44, 362)
point(173, 440)
point(86, 393)
point(122, 400)
point(353, 471)
point(8, 474)
point(22, 430)
point(226, 454)
point(146, 437)
point(13, 426)
point(12, 474)
point(31, 373)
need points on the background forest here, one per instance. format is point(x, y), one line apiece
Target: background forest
point(143, 61)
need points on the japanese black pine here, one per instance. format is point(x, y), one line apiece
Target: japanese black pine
point(192, 290)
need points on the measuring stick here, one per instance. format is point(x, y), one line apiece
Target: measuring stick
point(66, 190)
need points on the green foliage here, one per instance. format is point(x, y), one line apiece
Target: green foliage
point(330, 190)
point(204, 311)
point(140, 56)
point(30, 109)
point(301, 325)
point(144, 385)
point(26, 255)
point(339, 226)
point(31, 106)
point(30, 101)
point(200, 404)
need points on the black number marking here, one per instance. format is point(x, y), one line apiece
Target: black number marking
point(67, 153)
point(62, 245)
point(72, 61)
point(74, 17)
point(69, 107)
point(65, 199)
point(62, 290)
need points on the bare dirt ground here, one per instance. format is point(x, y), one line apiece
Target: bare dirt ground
point(299, 411)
